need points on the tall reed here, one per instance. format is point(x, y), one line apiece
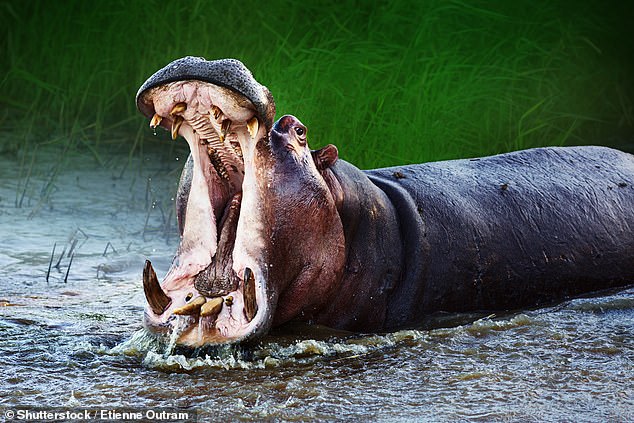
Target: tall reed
point(387, 82)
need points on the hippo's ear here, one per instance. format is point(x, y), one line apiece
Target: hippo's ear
point(325, 157)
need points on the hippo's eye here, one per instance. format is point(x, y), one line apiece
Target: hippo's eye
point(300, 131)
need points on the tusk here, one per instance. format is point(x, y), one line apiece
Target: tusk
point(156, 120)
point(192, 307)
point(215, 110)
point(212, 307)
point(224, 129)
point(178, 121)
point(156, 298)
point(253, 126)
point(178, 108)
point(250, 304)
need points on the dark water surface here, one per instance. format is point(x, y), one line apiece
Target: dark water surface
point(80, 343)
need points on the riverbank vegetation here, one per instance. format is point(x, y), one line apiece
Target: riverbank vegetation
point(387, 82)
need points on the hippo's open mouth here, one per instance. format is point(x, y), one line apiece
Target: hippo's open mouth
point(216, 287)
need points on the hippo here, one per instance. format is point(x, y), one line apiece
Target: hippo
point(272, 231)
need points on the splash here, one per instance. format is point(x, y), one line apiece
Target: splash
point(162, 353)
point(141, 342)
point(178, 328)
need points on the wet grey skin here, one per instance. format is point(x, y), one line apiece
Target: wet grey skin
point(272, 231)
point(228, 73)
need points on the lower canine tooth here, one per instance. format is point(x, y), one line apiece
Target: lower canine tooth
point(176, 124)
point(250, 303)
point(252, 126)
point(156, 120)
point(211, 307)
point(193, 307)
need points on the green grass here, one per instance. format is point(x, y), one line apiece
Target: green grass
point(387, 82)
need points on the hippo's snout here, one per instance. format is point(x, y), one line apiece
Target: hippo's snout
point(287, 131)
point(287, 123)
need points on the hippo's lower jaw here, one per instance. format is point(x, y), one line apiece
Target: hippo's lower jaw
point(233, 317)
point(216, 290)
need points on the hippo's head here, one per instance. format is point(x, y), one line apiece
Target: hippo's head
point(254, 211)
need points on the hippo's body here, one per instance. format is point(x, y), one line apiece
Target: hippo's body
point(497, 233)
point(272, 231)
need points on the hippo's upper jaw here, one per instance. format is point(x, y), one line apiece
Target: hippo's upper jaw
point(217, 284)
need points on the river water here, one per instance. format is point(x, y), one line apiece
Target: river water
point(76, 341)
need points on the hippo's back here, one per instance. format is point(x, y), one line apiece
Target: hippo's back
point(512, 230)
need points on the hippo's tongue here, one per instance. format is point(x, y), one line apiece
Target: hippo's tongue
point(219, 278)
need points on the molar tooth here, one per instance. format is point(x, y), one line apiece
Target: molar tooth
point(192, 307)
point(253, 126)
point(224, 129)
point(216, 161)
point(236, 148)
point(176, 124)
point(156, 120)
point(212, 307)
point(178, 108)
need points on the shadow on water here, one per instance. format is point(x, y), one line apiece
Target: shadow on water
point(77, 339)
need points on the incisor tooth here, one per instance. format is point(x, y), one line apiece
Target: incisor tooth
point(253, 126)
point(178, 108)
point(156, 120)
point(192, 307)
point(211, 307)
point(176, 124)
